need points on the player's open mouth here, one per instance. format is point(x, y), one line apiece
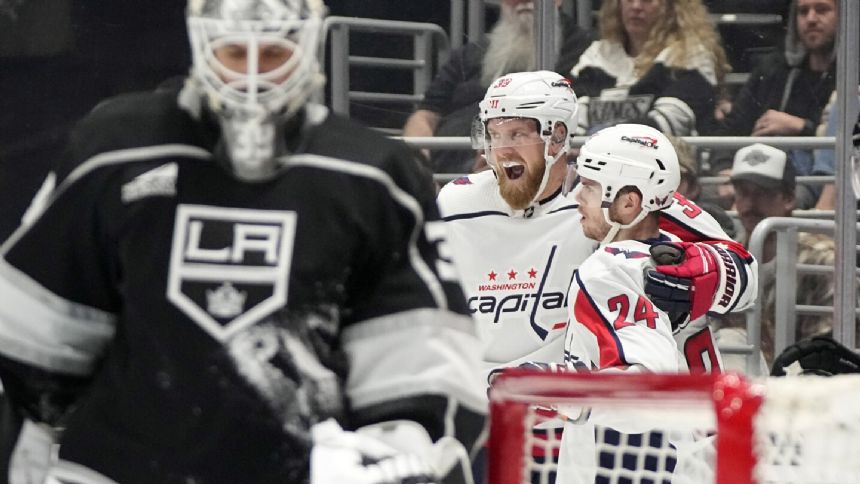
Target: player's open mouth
point(514, 170)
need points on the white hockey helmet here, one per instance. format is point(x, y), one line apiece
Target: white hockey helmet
point(631, 155)
point(252, 101)
point(544, 96)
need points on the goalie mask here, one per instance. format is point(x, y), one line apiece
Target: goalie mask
point(254, 66)
point(544, 99)
point(631, 155)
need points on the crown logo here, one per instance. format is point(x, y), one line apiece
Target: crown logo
point(225, 302)
point(755, 157)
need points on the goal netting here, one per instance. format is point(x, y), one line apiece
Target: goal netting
point(674, 429)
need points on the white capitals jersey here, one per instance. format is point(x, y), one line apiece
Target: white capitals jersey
point(613, 324)
point(516, 266)
point(615, 327)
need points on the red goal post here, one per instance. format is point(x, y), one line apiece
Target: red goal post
point(776, 430)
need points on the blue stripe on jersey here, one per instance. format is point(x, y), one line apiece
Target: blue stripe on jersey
point(462, 216)
point(566, 207)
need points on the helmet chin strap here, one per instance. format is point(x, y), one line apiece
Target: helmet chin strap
point(549, 160)
point(614, 227)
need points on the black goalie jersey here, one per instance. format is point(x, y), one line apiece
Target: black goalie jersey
point(187, 327)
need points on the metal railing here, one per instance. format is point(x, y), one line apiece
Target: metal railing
point(728, 142)
point(785, 285)
point(725, 142)
point(431, 48)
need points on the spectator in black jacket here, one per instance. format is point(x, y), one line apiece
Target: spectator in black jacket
point(786, 93)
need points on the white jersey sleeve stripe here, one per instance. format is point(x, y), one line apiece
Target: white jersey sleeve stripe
point(44, 330)
point(412, 354)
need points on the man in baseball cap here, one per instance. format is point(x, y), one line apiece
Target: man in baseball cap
point(764, 181)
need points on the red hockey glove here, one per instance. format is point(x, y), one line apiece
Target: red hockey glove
point(685, 280)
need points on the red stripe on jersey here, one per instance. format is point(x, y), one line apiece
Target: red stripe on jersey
point(559, 325)
point(668, 224)
point(587, 315)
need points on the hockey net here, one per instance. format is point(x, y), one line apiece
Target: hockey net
point(699, 429)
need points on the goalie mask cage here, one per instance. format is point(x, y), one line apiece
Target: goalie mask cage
point(702, 429)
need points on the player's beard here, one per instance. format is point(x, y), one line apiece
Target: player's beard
point(520, 193)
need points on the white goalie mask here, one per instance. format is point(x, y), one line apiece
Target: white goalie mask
point(543, 96)
point(634, 155)
point(255, 65)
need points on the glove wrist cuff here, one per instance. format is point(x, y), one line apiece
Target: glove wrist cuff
point(730, 286)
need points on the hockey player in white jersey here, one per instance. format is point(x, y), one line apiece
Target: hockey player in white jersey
point(627, 175)
point(231, 284)
point(517, 240)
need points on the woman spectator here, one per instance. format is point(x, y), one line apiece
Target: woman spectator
point(658, 62)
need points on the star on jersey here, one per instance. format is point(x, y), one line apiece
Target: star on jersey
point(512, 274)
point(523, 299)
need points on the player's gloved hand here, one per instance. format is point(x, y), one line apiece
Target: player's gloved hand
point(32, 455)
point(397, 452)
point(685, 279)
point(820, 355)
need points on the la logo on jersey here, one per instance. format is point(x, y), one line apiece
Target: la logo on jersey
point(229, 267)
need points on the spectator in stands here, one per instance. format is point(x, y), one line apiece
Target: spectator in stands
point(826, 158)
point(451, 102)
point(786, 93)
point(658, 62)
point(764, 182)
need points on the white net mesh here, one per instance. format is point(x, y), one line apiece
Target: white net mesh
point(808, 431)
point(677, 429)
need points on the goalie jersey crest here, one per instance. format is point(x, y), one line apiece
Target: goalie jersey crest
point(229, 268)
